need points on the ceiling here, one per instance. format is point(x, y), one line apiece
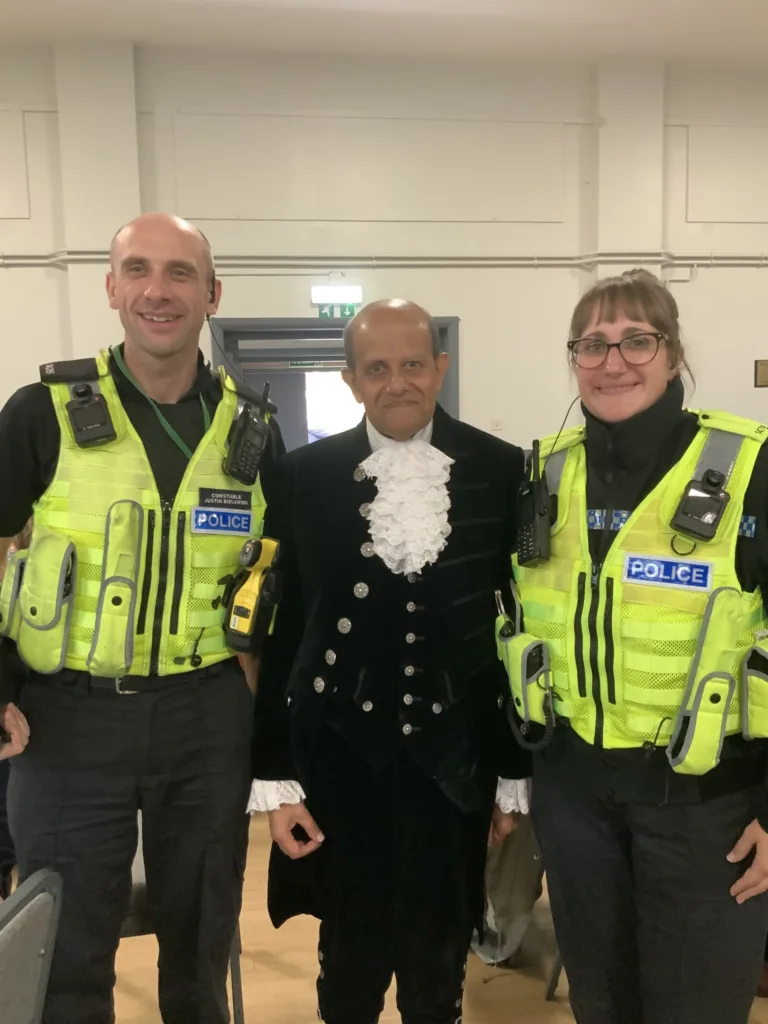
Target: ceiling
point(727, 30)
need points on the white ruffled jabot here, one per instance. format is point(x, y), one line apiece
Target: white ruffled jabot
point(409, 516)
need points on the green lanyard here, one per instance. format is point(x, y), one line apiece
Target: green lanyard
point(178, 441)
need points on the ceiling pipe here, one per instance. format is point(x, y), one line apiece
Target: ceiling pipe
point(64, 259)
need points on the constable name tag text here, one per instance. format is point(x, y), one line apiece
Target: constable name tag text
point(221, 520)
point(668, 572)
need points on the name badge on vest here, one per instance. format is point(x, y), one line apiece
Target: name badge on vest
point(677, 573)
point(222, 520)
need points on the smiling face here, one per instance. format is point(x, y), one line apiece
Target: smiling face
point(636, 311)
point(395, 374)
point(160, 282)
point(620, 388)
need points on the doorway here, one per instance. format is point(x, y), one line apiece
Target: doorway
point(302, 360)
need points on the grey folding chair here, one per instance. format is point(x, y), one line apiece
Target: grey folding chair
point(29, 920)
point(138, 921)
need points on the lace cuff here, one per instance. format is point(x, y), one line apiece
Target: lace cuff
point(512, 795)
point(270, 796)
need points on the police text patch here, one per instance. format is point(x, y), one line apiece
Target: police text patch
point(210, 498)
point(221, 520)
point(668, 572)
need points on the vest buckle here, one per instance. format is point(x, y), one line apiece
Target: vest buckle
point(119, 687)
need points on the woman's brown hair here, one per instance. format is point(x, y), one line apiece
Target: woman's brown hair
point(638, 295)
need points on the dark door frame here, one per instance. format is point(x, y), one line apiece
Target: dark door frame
point(292, 335)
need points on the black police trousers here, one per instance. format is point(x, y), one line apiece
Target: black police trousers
point(181, 756)
point(647, 929)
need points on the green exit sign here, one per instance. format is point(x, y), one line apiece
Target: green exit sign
point(347, 312)
point(326, 312)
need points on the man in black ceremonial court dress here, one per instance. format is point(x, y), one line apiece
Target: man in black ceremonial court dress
point(381, 740)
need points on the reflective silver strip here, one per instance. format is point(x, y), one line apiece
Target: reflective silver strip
point(553, 468)
point(721, 450)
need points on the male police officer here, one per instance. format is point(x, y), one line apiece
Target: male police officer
point(134, 700)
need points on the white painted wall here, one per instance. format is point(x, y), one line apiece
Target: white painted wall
point(473, 189)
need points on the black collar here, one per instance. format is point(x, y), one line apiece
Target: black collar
point(636, 441)
point(205, 383)
point(442, 424)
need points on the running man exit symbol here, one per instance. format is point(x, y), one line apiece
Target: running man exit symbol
point(325, 312)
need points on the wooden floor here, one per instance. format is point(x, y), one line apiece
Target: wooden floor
point(279, 970)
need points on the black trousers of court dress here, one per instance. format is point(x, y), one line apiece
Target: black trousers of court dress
point(398, 885)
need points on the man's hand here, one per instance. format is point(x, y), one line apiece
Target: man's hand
point(250, 666)
point(15, 725)
point(281, 825)
point(502, 825)
point(755, 878)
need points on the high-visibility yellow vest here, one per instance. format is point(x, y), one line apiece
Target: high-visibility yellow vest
point(659, 645)
point(116, 582)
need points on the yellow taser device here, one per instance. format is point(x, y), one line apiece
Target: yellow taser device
point(253, 596)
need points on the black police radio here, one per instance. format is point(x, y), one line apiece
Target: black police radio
point(534, 524)
point(248, 440)
point(249, 435)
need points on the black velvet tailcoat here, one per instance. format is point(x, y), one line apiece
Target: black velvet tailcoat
point(391, 663)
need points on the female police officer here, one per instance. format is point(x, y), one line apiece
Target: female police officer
point(641, 673)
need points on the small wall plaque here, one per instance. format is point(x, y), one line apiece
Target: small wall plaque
point(761, 373)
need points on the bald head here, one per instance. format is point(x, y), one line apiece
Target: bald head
point(388, 315)
point(162, 281)
point(395, 366)
point(160, 223)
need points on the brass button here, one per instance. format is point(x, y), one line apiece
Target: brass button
point(365, 510)
point(368, 706)
point(407, 729)
point(343, 625)
point(367, 549)
point(408, 699)
point(410, 607)
point(410, 638)
point(359, 475)
point(409, 671)
point(362, 590)
point(437, 709)
point(319, 685)
point(330, 657)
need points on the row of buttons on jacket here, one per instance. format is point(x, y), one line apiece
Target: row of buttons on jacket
point(361, 590)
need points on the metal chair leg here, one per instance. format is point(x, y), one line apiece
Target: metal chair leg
point(236, 979)
point(554, 978)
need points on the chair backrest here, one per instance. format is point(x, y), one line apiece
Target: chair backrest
point(29, 920)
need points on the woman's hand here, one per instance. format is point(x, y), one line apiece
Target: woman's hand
point(16, 727)
point(755, 878)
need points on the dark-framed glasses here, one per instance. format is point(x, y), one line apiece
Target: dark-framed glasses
point(636, 349)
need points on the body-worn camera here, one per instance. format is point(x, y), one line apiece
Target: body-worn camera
point(89, 415)
point(702, 506)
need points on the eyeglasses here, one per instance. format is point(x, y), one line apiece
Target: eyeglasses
point(636, 349)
